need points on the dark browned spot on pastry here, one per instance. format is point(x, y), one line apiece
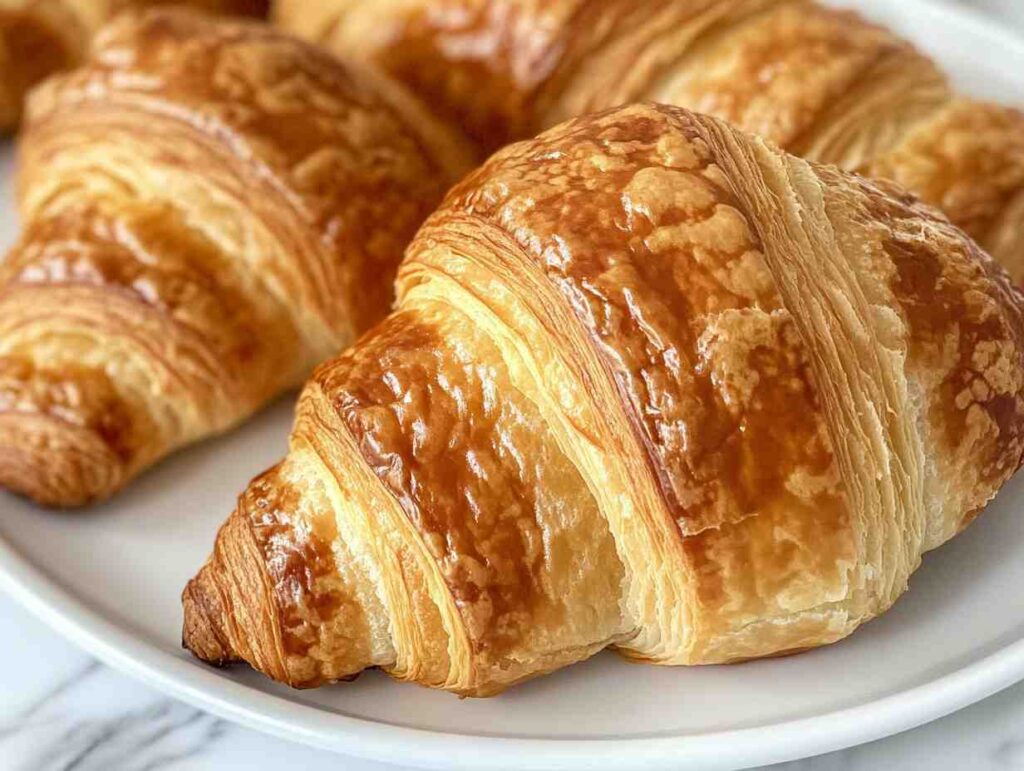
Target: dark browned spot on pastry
point(296, 559)
point(430, 423)
point(657, 258)
point(257, 8)
point(959, 328)
point(479, 89)
point(34, 49)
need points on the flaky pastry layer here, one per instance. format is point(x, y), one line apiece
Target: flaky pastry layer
point(652, 383)
point(210, 208)
point(822, 83)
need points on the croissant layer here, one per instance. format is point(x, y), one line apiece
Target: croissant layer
point(651, 384)
point(822, 83)
point(210, 208)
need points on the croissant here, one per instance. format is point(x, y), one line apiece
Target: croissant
point(40, 37)
point(211, 208)
point(820, 82)
point(651, 383)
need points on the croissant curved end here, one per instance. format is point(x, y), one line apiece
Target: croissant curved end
point(203, 631)
point(229, 609)
point(56, 463)
point(68, 434)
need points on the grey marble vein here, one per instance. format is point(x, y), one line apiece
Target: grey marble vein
point(146, 739)
point(66, 735)
point(1009, 753)
point(24, 718)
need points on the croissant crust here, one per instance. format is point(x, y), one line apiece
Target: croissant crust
point(651, 383)
point(41, 37)
point(210, 208)
point(822, 83)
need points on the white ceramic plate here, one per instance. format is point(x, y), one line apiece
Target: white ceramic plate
point(110, 579)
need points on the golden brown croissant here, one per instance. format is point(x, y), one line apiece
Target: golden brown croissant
point(40, 37)
point(211, 208)
point(651, 383)
point(822, 83)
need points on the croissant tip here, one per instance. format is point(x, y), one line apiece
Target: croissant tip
point(203, 633)
point(54, 463)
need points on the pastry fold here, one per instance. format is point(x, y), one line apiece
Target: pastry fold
point(651, 383)
point(210, 208)
point(822, 83)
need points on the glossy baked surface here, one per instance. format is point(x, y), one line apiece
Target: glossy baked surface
point(824, 84)
point(209, 209)
point(651, 383)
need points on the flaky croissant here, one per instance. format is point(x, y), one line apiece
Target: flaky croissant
point(211, 208)
point(822, 83)
point(40, 37)
point(651, 383)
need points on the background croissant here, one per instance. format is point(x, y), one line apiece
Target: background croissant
point(651, 383)
point(210, 209)
point(822, 83)
point(40, 37)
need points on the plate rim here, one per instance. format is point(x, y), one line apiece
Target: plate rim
point(777, 742)
point(117, 646)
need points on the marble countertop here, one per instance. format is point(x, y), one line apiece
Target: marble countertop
point(61, 710)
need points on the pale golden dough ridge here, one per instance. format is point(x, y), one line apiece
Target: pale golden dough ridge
point(651, 383)
point(822, 83)
point(210, 208)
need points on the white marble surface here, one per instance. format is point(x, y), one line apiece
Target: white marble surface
point(61, 710)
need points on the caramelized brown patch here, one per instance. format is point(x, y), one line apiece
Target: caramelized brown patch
point(463, 63)
point(636, 228)
point(966, 332)
point(433, 428)
point(151, 255)
point(297, 561)
point(961, 331)
point(499, 68)
point(32, 48)
point(333, 168)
